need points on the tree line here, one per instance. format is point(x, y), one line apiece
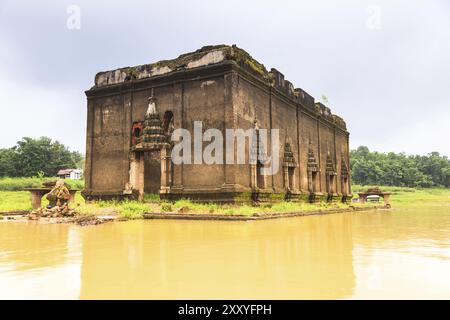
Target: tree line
point(398, 169)
point(37, 157)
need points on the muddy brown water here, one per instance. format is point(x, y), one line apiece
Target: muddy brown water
point(378, 254)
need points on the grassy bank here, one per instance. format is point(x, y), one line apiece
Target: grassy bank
point(19, 184)
point(401, 197)
point(134, 209)
point(412, 197)
point(14, 201)
point(20, 200)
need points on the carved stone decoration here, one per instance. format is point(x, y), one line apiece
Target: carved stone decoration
point(166, 170)
point(153, 136)
point(330, 168)
point(151, 109)
point(330, 173)
point(153, 139)
point(289, 165)
point(288, 159)
point(313, 171)
point(312, 163)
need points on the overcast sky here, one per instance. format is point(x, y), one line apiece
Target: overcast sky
point(384, 65)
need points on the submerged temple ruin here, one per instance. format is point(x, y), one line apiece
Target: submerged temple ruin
point(133, 111)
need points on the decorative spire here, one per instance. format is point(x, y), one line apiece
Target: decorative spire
point(330, 165)
point(151, 109)
point(288, 159)
point(153, 137)
point(312, 163)
point(287, 138)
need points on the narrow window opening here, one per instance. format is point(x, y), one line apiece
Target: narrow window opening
point(167, 124)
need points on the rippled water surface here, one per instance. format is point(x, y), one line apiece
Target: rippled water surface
point(394, 254)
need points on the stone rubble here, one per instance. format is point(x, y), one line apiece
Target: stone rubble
point(63, 214)
point(55, 212)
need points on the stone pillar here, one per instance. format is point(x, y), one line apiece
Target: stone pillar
point(294, 187)
point(127, 121)
point(253, 176)
point(141, 176)
point(36, 197)
point(137, 173)
point(286, 177)
point(133, 170)
point(166, 170)
point(387, 201)
point(310, 182)
point(327, 183)
point(179, 115)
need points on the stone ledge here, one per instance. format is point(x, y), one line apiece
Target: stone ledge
point(257, 216)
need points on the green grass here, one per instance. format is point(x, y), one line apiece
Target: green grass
point(188, 206)
point(14, 201)
point(151, 197)
point(126, 209)
point(19, 184)
point(14, 198)
point(401, 197)
point(409, 197)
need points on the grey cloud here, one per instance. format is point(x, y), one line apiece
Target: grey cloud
point(383, 82)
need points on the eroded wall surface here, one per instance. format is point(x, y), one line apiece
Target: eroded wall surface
point(223, 91)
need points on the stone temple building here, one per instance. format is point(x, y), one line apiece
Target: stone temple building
point(133, 111)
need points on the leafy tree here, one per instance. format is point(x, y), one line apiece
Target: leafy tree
point(7, 162)
point(399, 169)
point(32, 156)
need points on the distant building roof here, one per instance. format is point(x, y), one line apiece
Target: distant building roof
point(66, 171)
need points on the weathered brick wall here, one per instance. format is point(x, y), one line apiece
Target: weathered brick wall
point(191, 100)
point(307, 127)
point(274, 108)
point(107, 143)
point(204, 101)
point(229, 92)
point(249, 101)
point(284, 118)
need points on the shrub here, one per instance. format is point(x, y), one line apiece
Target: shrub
point(132, 209)
point(151, 197)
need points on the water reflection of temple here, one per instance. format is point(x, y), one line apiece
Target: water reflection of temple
point(288, 258)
